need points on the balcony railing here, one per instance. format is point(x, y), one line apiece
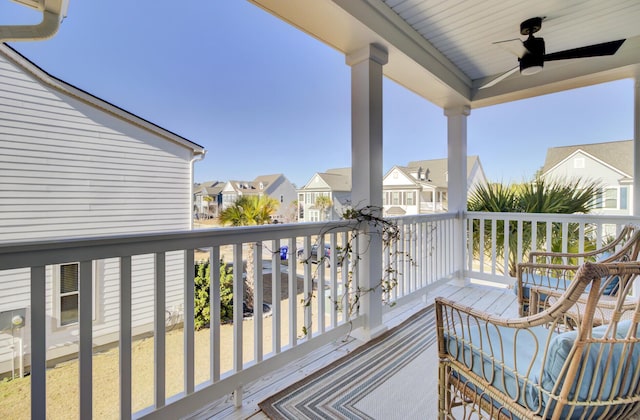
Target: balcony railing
point(324, 314)
point(499, 250)
point(429, 249)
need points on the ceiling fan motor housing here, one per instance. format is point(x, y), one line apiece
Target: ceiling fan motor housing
point(534, 57)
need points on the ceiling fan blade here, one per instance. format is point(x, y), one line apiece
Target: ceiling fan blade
point(500, 78)
point(514, 46)
point(596, 50)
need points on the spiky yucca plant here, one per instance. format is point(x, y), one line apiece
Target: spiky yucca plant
point(539, 196)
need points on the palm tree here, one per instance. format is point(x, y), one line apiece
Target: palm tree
point(249, 211)
point(538, 196)
point(324, 203)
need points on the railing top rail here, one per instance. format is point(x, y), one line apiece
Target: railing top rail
point(424, 217)
point(545, 217)
point(45, 252)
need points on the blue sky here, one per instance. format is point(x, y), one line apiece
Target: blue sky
point(263, 97)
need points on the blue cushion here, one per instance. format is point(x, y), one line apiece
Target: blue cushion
point(501, 375)
point(594, 368)
point(610, 288)
point(528, 342)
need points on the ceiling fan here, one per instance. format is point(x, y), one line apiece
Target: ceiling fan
point(531, 52)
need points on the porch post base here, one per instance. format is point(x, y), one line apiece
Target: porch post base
point(364, 334)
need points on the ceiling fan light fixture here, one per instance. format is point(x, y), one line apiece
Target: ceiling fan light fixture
point(528, 71)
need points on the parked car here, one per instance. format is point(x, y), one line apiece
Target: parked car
point(313, 257)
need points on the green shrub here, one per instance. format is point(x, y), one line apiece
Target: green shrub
point(202, 310)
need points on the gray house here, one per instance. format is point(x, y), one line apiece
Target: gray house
point(610, 164)
point(207, 199)
point(335, 184)
point(73, 165)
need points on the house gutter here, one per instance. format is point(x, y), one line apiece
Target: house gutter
point(195, 159)
point(53, 12)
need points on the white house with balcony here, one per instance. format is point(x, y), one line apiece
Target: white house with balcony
point(610, 164)
point(421, 186)
point(73, 165)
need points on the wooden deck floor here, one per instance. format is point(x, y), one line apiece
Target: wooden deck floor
point(490, 299)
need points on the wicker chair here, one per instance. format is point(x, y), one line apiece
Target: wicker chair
point(554, 270)
point(532, 367)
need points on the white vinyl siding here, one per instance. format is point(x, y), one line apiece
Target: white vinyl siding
point(71, 169)
point(68, 169)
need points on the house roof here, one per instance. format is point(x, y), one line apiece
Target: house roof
point(338, 179)
point(445, 51)
point(253, 187)
point(209, 188)
point(618, 154)
point(84, 96)
point(266, 180)
point(436, 169)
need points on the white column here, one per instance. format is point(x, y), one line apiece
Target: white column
point(366, 173)
point(635, 210)
point(457, 172)
point(636, 148)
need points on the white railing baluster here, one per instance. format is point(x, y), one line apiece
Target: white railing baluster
point(494, 226)
point(507, 250)
point(38, 344)
point(214, 313)
point(308, 283)
point(85, 356)
point(581, 241)
point(293, 292)
point(565, 238)
point(534, 237)
point(356, 284)
point(125, 337)
point(159, 329)
point(188, 322)
point(402, 277)
point(481, 232)
point(320, 292)
point(346, 273)
point(519, 242)
point(419, 255)
point(238, 314)
point(258, 300)
point(276, 291)
point(385, 269)
point(333, 279)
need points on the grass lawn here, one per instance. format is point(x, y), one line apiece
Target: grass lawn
point(63, 383)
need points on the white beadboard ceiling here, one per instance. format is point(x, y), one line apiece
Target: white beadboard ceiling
point(444, 49)
point(464, 31)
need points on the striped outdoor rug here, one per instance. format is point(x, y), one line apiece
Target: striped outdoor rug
point(392, 376)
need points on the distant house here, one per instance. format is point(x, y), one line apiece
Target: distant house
point(610, 164)
point(421, 186)
point(73, 165)
point(207, 199)
point(275, 186)
point(418, 188)
point(335, 184)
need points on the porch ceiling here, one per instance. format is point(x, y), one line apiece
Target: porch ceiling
point(443, 50)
